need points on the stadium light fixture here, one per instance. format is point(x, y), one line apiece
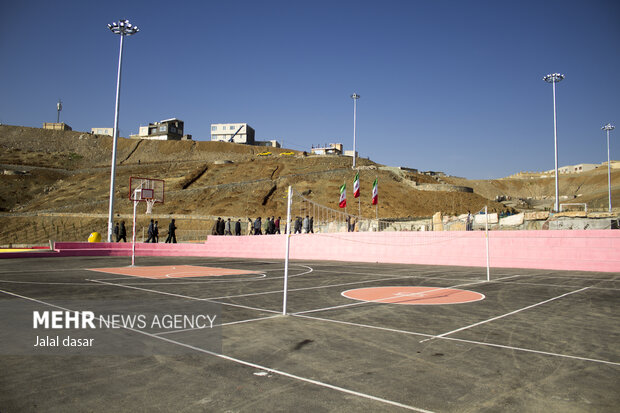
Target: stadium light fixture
point(355, 97)
point(555, 78)
point(607, 128)
point(123, 28)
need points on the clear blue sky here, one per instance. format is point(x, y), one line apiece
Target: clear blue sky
point(453, 86)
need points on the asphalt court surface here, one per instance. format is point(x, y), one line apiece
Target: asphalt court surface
point(539, 340)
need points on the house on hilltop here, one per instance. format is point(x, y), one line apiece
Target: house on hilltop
point(165, 130)
point(56, 126)
point(238, 133)
point(233, 132)
point(328, 149)
point(102, 131)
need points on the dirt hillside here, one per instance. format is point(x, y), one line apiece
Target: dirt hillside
point(55, 183)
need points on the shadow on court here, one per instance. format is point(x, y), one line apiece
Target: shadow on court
point(356, 337)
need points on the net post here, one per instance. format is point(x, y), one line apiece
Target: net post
point(486, 236)
point(133, 237)
point(288, 243)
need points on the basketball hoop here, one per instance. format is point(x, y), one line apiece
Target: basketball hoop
point(148, 190)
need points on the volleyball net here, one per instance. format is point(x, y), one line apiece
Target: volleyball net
point(341, 234)
point(308, 216)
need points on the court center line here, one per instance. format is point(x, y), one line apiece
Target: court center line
point(185, 296)
point(505, 315)
point(218, 325)
point(248, 363)
point(308, 288)
point(394, 330)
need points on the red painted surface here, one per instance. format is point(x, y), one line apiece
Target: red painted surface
point(413, 295)
point(588, 250)
point(172, 271)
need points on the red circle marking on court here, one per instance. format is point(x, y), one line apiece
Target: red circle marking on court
point(413, 295)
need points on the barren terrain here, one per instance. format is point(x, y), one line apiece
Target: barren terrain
point(56, 184)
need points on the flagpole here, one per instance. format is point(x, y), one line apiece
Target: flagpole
point(377, 204)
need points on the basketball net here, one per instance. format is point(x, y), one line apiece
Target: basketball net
point(149, 205)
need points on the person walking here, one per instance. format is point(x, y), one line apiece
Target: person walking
point(122, 233)
point(277, 225)
point(266, 226)
point(238, 227)
point(306, 224)
point(297, 225)
point(257, 227)
point(156, 232)
point(227, 228)
point(172, 237)
point(250, 226)
point(311, 226)
point(150, 232)
point(116, 232)
point(220, 226)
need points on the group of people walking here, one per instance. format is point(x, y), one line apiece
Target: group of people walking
point(153, 232)
point(306, 225)
point(271, 225)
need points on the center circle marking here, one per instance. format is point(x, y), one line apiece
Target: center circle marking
point(413, 295)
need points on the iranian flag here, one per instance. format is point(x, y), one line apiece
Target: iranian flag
point(343, 196)
point(356, 186)
point(375, 192)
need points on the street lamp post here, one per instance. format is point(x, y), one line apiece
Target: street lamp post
point(554, 78)
point(607, 128)
point(123, 28)
point(355, 97)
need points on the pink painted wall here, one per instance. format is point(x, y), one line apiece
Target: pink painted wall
point(591, 250)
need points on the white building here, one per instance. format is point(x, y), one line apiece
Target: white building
point(328, 149)
point(102, 131)
point(232, 132)
point(574, 169)
point(165, 130)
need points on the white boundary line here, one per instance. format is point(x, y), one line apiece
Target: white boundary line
point(218, 325)
point(250, 364)
point(560, 286)
point(185, 296)
point(505, 315)
point(394, 330)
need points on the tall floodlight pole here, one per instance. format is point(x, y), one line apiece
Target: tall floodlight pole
point(355, 97)
point(123, 28)
point(607, 128)
point(555, 78)
point(58, 109)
